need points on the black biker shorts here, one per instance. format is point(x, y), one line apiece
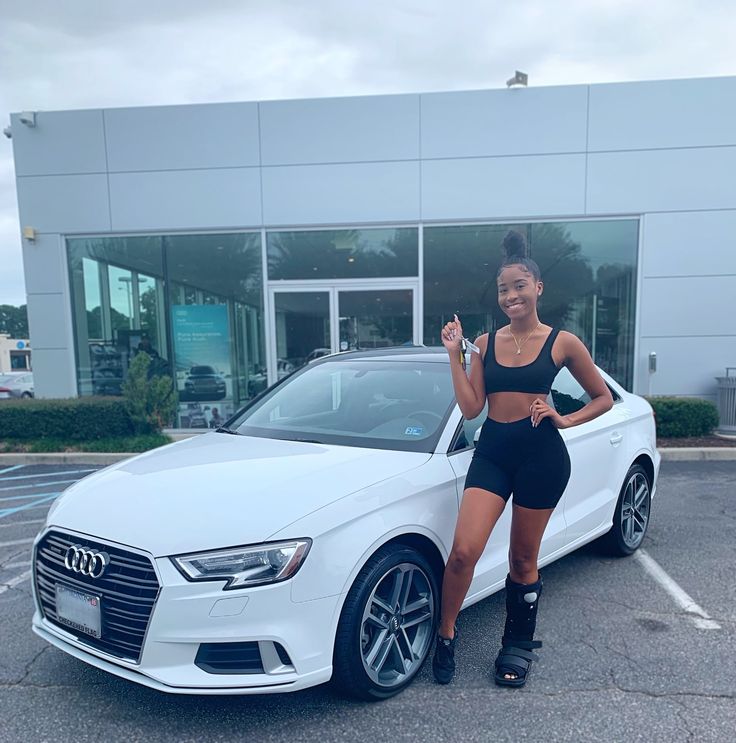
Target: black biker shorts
point(532, 463)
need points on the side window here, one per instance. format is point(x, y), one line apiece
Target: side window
point(470, 429)
point(568, 395)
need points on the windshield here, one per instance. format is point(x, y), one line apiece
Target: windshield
point(357, 402)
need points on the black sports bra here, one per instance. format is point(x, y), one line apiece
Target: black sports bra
point(535, 378)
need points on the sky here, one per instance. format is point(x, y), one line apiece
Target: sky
point(90, 54)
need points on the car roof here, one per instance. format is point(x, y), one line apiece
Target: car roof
point(436, 354)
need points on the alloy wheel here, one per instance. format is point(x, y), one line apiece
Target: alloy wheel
point(635, 510)
point(397, 624)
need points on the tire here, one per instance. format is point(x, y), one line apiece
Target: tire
point(378, 649)
point(630, 525)
point(27, 395)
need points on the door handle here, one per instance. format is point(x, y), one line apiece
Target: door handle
point(616, 439)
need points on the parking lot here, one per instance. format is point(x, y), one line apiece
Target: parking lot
point(629, 653)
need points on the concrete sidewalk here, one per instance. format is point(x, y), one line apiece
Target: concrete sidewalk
point(669, 454)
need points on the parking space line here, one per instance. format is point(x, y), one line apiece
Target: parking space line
point(39, 484)
point(12, 469)
point(38, 503)
point(28, 497)
point(21, 564)
point(22, 523)
point(15, 542)
point(13, 582)
point(45, 474)
point(700, 617)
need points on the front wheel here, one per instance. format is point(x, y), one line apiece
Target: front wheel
point(387, 624)
point(631, 517)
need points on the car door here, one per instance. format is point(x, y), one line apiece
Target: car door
point(493, 564)
point(598, 457)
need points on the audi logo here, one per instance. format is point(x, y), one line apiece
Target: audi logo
point(87, 562)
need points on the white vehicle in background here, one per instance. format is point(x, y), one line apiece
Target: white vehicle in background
point(307, 541)
point(16, 384)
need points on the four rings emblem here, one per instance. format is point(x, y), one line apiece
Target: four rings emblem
point(87, 562)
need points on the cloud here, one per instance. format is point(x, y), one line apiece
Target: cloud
point(85, 54)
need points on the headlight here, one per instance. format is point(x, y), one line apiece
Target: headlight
point(246, 566)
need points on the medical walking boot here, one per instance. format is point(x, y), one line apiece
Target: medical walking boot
point(515, 658)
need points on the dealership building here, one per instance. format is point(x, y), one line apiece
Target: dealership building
point(236, 241)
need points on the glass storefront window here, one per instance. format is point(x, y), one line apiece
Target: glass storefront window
point(206, 331)
point(460, 265)
point(216, 304)
point(589, 274)
point(109, 277)
point(343, 254)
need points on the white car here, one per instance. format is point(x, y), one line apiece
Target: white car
point(16, 384)
point(310, 544)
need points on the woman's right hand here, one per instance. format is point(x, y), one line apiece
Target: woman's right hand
point(452, 334)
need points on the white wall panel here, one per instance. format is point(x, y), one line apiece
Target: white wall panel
point(689, 244)
point(504, 122)
point(64, 203)
point(47, 321)
point(53, 372)
point(61, 142)
point(693, 305)
point(359, 192)
point(219, 135)
point(44, 265)
point(666, 113)
point(340, 130)
point(498, 187)
point(663, 180)
point(184, 199)
point(687, 366)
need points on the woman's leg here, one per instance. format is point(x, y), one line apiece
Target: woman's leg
point(527, 529)
point(479, 512)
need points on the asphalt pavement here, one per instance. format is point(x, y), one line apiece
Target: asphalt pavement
point(622, 659)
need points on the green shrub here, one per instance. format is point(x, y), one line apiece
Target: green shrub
point(151, 400)
point(678, 417)
point(82, 419)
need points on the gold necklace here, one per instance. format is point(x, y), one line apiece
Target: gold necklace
point(519, 345)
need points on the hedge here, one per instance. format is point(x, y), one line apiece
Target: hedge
point(83, 419)
point(678, 417)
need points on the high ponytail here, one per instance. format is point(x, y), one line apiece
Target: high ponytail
point(515, 253)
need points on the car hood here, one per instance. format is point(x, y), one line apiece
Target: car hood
point(217, 490)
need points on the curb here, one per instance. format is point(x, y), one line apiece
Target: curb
point(704, 454)
point(669, 454)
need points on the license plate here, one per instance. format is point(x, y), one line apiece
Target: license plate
point(79, 610)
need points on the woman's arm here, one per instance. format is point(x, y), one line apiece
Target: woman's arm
point(578, 360)
point(470, 392)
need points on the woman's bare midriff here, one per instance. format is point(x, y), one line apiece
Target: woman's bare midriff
point(508, 407)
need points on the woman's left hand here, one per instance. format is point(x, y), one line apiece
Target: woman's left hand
point(540, 410)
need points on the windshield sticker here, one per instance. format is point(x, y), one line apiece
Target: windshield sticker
point(414, 431)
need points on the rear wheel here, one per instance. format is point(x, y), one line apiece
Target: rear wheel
point(387, 624)
point(27, 394)
point(631, 517)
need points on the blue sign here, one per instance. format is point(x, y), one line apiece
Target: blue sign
point(20, 344)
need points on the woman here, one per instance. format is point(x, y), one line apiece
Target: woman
point(519, 451)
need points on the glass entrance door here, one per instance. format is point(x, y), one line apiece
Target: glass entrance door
point(313, 321)
point(302, 329)
point(375, 318)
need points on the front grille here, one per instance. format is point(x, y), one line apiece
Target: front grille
point(127, 590)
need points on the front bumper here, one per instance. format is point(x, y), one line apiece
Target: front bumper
point(188, 614)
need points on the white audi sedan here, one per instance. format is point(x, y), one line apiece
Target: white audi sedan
point(306, 541)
